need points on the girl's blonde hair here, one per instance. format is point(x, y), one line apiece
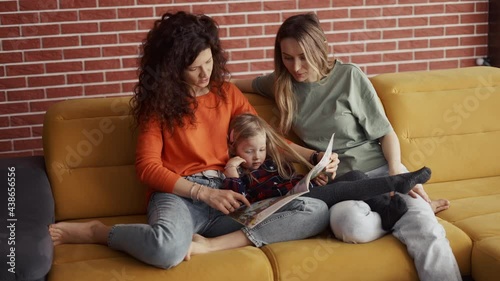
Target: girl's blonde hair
point(306, 30)
point(246, 125)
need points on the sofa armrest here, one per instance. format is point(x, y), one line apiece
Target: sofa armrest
point(26, 210)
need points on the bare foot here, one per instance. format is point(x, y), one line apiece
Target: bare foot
point(440, 205)
point(78, 232)
point(199, 245)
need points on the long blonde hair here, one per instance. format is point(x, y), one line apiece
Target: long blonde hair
point(247, 125)
point(306, 30)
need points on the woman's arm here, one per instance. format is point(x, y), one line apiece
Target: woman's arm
point(392, 152)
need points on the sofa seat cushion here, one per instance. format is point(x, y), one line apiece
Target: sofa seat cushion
point(324, 258)
point(486, 259)
point(98, 262)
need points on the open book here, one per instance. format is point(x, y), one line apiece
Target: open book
point(259, 211)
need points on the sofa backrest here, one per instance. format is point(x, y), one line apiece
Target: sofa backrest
point(447, 120)
point(89, 148)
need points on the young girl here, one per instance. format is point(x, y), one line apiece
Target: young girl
point(261, 167)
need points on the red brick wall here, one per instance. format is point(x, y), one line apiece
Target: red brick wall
point(53, 50)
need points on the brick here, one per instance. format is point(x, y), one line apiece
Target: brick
point(474, 18)
point(482, 28)
point(42, 106)
point(429, 32)
point(264, 18)
point(262, 66)
point(413, 21)
point(2, 70)
point(363, 59)
point(467, 62)
point(132, 37)
point(459, 8)
point(246, 55)
point(128, 87)
point(37, 131)
point(380, 2)
point(60, 41)
point(229, 43)
point(9, 32)
point(245, 31)
point(413, 44)
point(63, 92)
point(130, 62)
point(25, 69)
point(16, 154)
point(14, 133)
point(271, 29)
point(13, 108)
point(100, 14)
point(143, 12)
point(85, 78)
point(206, 8)
point(148, 2)
point(459, 30)
point(120, 51)
point(482, 6)
point(159, 11)
point(401, 2)
point(474, 40)
point(30, 5)
point(380, 23)
point(77, 4)
point(118, 26)
point(416, 66)
point(434, 65)
point(4, 147)
point(348, 25)
point(11, 57)
point(27, 144)
point(458, 53)
point(347, 3)
point(121, 75)
point(425, 55)
point(11, 83)
point(27, 119)
point(365, 35)
point(48, 80)
point(102, 64)
point(380, 69)
point(279, 5)
point(269, 53)
point(444, 20)
point(397, 11)
point(245, 7)
point(481, 51)
point(70, 66)
point(102, 89)
point(43, 55)
point(366, 13)
point(313, 4)
point(429, 9)
point(444, 42)
point(349, 48)
point(58, 16)
point(382, 46)
point(19, 18)
point(333, 14)
point(338, 37)
point(79, 28)
point(21, 44)
point(82, 53)
point(25, 95)
point(8, 6)
point(101, 39)
point(400, 56)
point(261, 42)
point(116, 3)
point(40, 30)
point(4, 121)
point(145, 25)
point(230, 19)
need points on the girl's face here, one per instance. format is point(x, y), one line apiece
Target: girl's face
point(197, 75)
point(253, 151)
point(295, 61)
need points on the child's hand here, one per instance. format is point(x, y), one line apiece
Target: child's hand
point(231, 169)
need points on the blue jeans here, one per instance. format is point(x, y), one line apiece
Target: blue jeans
point(418, 229)
point(172, 221)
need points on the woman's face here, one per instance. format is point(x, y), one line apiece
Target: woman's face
point(253, 151)
point(197, 75)
point(295, 61)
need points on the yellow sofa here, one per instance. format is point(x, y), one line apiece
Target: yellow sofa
point(445, 119)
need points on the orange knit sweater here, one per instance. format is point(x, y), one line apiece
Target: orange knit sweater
point(161, 158)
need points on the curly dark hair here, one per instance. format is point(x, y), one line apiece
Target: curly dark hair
point(171, 46)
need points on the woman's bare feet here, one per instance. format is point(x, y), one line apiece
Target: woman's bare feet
point(440, 205)
point(199, 245)
point(92, 232)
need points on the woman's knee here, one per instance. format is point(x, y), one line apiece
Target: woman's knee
point(168, 250)
point(354, 222)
